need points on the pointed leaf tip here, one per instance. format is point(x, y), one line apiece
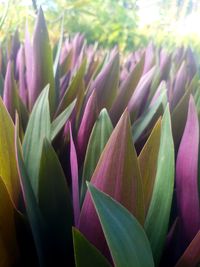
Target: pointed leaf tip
point(161, 200)
point(98, 139)
point(117, 174)
point(127, 241)
point(42, 64)
point(187, 175)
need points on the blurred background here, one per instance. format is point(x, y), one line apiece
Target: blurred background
point(127, 23)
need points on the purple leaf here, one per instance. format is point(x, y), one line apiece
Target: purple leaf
point(191, 256)
point(140, 94)
point(78, 42)
point(126, 90)
point(89, 117)
point(9, 87)
point(165, 65)
point(117, 174)
point(106, 83)
point(179, 84)
point(149, 58)
point(75, 181)
point(191, 63)
point(186, 176)
point(14, 46)
point(22, 77)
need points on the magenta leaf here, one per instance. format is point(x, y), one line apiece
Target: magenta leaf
point(186, 176)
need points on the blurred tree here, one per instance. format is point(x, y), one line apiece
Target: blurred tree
point(110, 22)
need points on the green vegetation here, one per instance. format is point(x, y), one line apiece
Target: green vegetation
point(108, 22)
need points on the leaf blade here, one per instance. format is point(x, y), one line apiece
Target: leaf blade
point(83, 247)
point(98, 139)
point(161, 200)
point(38, 127)
point(127, 240)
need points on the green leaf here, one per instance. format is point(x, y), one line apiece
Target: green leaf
point(126, 238)
point(32, 209)
point(39, 127)
point(9, 251)
point(60, 121)
point(83, 247)
point(21, 109)
point(8, 164)
point(157, 219)
point(5, 13)
point(106, 83)
point(42, 63)
point(66, 64)
point(148, 164)
point(127, 89)
point(55, 202)
point(150, 115)
point(179, 115)
point(98, 139)
point(71, 92)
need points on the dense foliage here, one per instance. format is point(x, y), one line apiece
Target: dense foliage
point(98, 154)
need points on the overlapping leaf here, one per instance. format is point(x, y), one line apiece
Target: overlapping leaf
point(157, 219)
point(127, 241)
point(98, 139)
point(55, 203)
point(83, 247)
point(148, 164)
point(117, 174)
point(127, 88)
point(32, 209)
point(8, 166)
point(38, 128)
point(106, 82)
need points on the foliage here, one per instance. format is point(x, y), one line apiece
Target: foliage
point(99, 154)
